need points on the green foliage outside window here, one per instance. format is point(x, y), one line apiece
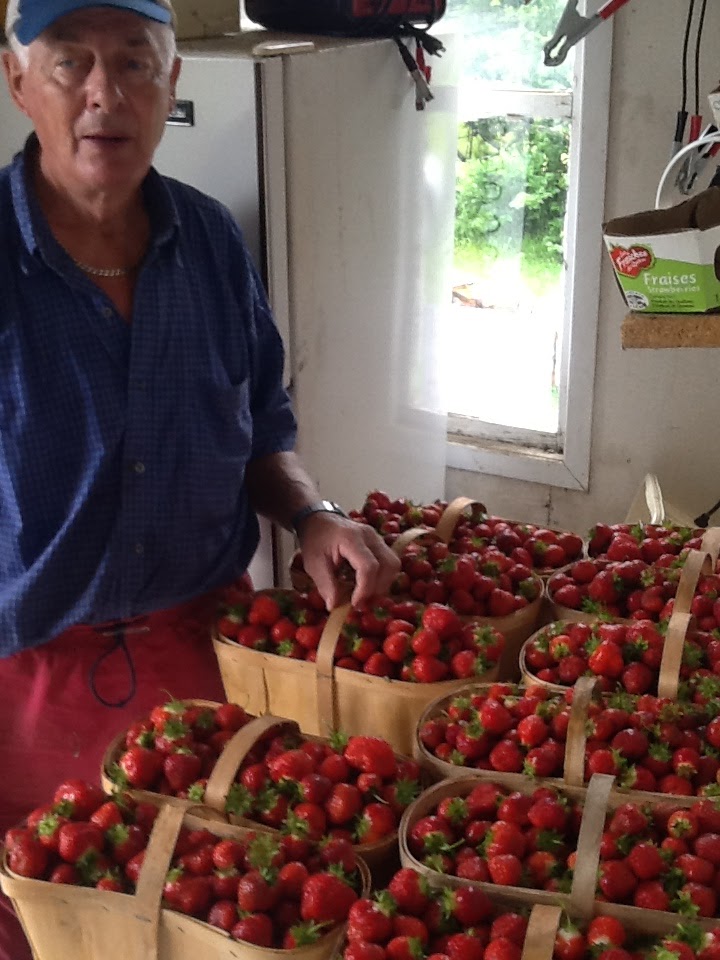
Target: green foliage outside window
point(513, 182)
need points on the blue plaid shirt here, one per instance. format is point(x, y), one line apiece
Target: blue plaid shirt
point(123, 447)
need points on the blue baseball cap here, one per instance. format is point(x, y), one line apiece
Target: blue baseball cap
point(34, 16)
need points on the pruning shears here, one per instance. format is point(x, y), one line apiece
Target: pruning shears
point(573, 27)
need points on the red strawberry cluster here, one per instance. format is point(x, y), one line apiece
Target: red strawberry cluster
point(652, 543)
point(416, 642)
point(177, 744)
point(657, 745)
point(623, 656)
point(502, 727)
point(605, 938)
point(410, 920)
point(645, 742)
point(525, 543)
point(391, 517)
point(481, 583)
point(496, 836)
point(391, 637)
point(662, 858)
point(356, 788)
point(631, 589)
point(257, 887)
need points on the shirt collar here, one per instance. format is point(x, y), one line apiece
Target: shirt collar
point(35, 231)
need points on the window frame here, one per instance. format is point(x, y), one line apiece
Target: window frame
point(509, 453)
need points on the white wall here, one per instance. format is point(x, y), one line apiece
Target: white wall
point(655, 410)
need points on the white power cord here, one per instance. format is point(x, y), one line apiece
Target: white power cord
point(701, 141)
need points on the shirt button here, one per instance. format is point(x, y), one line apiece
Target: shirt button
point(107, 312)
point(139, 467)
point(139, 549)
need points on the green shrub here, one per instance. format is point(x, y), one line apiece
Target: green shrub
point(512, 185)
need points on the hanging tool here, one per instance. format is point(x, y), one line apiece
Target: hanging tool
point(573, 27)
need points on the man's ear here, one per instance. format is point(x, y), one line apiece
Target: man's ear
point(174, 74)
point(14, 76)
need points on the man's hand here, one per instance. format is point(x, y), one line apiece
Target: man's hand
point(327, 539)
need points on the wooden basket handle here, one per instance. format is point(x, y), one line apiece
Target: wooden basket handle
point(669, 678)
point(158, 856)
point(451, 514)
point(582, 894)
point(585, 690)
point(325, 670)
point(542, 930)
point(697, 562)
point(233, 754)
point(403, 540)
point(711, 543)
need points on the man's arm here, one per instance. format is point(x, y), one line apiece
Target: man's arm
point(279, 487)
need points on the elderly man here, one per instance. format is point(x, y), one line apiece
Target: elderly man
point(143, 422)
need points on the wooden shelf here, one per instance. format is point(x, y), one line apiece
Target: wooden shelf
point(667, 330)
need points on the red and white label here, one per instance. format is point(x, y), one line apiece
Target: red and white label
point(631, 261)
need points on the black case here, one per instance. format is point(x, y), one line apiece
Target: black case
point(343, 17)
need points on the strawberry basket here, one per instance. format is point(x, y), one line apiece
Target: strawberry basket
point(269, 777)
point(626, 655)
point(446, 563)
point(635, 656)
point(64, 920)
point(322, 695)
point(546, 730)
point(629, 860)
point(656, 748)
point(478, 833)
point(646, 861)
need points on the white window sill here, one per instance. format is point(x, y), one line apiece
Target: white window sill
point(516, 463)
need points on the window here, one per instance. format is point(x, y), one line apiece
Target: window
point(519, 355)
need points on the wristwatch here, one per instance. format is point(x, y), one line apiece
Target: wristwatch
point(323, 506)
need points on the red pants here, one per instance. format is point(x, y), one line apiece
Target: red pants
point(53, 726)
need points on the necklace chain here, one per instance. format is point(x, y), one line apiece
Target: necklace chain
point(103, 271)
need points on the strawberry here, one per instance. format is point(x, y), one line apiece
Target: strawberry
point(410, 891)
point(28, 857)
point(223, 914)
point(326, 899)
point(141, 767)
point(570, 944)
point(255, 928)
point(606, 660)
point(371, 755)
point(78, 840)
point(371, 920)
point(84, 798)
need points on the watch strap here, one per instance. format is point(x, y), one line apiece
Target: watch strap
point(322, 506)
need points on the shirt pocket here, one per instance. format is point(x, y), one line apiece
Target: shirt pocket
point(220, 447)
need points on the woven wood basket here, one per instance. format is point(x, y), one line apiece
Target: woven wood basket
point(582, 901)
point(573, 769)
point(322, 698)
point(461, 788)
point(598, 799)
point(516, 627)
point(223, 775)
point(545, 920)
point(584, 692)
point(669, 676)
point(63, 922)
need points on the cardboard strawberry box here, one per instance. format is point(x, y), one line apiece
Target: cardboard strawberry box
point(666, 261)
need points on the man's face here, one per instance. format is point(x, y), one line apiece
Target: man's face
point(98, 87)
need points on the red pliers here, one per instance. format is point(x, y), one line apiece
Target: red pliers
point(573, 27)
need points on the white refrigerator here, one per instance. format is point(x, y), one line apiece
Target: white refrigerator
point(345, 194)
